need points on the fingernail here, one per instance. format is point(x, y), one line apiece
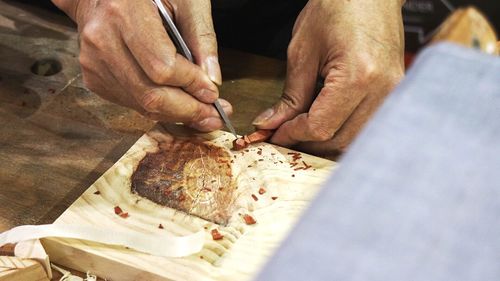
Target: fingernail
point(264, 116)
point(213, 70)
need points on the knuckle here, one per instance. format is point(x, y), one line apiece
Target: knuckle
point(162, 72)
point(112, 8)
point(151, 101)
point(92, 35)
point(318, 132)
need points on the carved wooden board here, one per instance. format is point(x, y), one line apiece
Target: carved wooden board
point(244, 248)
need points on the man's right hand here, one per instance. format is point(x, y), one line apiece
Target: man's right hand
point(127, 57)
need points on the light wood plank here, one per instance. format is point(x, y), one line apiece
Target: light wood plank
point(238, 256)
point(17, 269)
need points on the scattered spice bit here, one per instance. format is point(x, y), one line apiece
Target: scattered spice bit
point(124, 215)
point(216, 234)
point(239, 144)
point(97, 192)
point(249, 166)
point(281, 162)
point(262, 191)
point(249, 219)
point(274, 197)
point(257, 136)
point(201, 257)
point(293, 175)
point(299, 168)
point(255, 197)
point(260, 160)
point(207, 189)
point(272, 154)
point(220, 188)
point(247, 150)
point(259, 152)
point(118, 210)
point(205, 227)
point(160, 226)
point(182, 197)
point(293, 165)
point(232, 161)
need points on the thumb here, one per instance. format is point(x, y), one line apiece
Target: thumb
point(298, 92)
point(194, 19)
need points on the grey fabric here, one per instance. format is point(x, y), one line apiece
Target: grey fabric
point(417, 197)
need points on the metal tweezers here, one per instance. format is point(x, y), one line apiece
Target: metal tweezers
point(183, 49)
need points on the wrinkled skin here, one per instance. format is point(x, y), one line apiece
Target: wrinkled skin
point(127, 57)
point(357, 47)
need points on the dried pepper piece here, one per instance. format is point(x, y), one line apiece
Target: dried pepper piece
point(120, 212)
point(257, 136)
point(249, 219)
point(255, 197)
point(160, 226)
point(216, 234)
point(97, 192)
point(262, 190)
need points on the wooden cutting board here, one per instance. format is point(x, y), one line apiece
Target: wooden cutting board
point(244, 248)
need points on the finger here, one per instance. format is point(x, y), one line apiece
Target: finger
point(334, 104)
point(213, 123)
point(195, 23)
point(150, 45)
point(298, 93)
point(355, 123)
point(171, 104)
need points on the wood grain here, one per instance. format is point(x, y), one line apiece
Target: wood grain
point(17, 269)
point(470, 28)
point(238, 256)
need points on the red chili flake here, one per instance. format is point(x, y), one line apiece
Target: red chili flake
point(97, 192)
point(249, 219)
point(255, 197)
point(262, 191)
point(182, 197)
point(160, 226)
point(216, 234)
point(293, 165)
point(298, 168)
point(124, 215)
point(118, 210)
point(274, 197)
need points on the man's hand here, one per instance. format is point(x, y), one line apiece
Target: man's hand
point(127, 57)
point(357, 47)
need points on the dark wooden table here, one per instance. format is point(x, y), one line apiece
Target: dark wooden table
point(56, 137)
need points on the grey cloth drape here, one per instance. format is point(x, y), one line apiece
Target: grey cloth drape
point(417, 197)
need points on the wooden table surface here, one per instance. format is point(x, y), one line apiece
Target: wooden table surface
point(57, 138)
